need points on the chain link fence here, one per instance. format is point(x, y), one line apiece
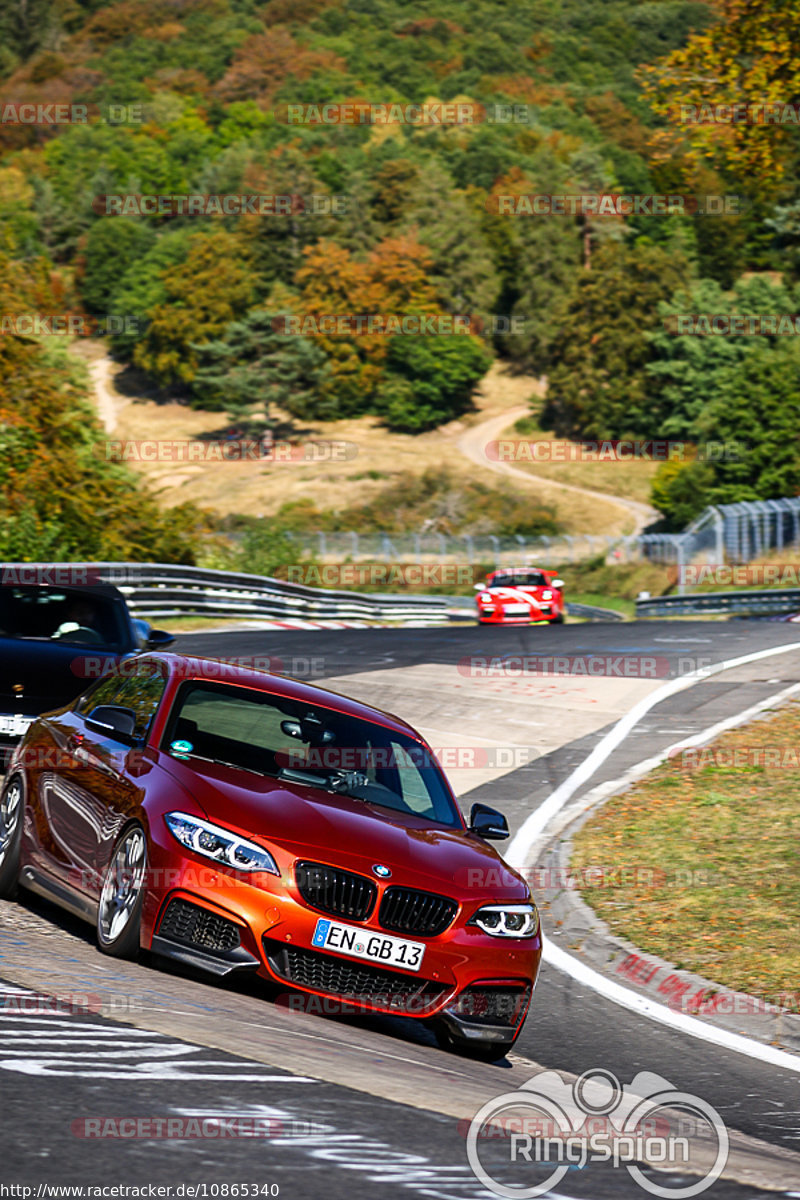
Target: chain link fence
point(725, 533)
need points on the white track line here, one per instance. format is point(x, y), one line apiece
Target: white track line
point(535, 828)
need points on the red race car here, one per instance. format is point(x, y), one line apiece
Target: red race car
point(520, 595)
point(237, 820)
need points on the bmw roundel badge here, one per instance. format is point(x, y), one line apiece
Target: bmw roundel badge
point(381, 871)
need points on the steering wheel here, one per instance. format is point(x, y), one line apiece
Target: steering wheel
point(82, 633)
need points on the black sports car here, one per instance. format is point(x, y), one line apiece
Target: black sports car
point(54, 641)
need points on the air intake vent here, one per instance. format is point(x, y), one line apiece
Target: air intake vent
point(184, 922)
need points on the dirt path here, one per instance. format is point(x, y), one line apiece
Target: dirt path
point(473, 444)
point(107, 400)
point(246, 487)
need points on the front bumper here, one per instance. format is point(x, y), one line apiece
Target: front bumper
point(263, 927)
point(501, 618)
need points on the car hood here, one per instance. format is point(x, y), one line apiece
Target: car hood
point(51, 673)
point(312, 824)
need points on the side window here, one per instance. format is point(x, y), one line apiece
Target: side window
point(142, 695)
point(100, 693)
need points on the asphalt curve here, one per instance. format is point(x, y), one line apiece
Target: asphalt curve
point(359, 1106)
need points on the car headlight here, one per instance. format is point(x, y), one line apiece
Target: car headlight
point(224, 847)
point(486, 598)
point(507, 920)
point(547, 595)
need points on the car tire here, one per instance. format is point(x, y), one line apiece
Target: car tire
point(559, 620)
point(12, 806)
point(119, 910)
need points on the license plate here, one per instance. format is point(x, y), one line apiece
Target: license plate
point(14, 725)
point(516, 610)
point(376, 947)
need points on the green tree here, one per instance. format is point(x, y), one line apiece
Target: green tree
point(756, 406)
point(600, 386)
point(430, 380)
point(142, 289)
point(685, 368)
point(254, 364)
point(113, 245)
point(681, 489)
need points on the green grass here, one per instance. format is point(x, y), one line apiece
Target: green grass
point(617, 603)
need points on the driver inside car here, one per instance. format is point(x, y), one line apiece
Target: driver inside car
point(79, 623)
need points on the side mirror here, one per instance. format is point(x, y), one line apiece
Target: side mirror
point(114, 720)
point(487, 822)
point(157, 639)
point(559, 583)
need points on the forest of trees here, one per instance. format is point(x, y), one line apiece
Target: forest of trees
point(189, 97)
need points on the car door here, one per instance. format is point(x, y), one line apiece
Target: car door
point(64, 816)
point(114, 779)
point(93, 794)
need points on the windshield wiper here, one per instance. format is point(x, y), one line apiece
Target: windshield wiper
point(222, 762)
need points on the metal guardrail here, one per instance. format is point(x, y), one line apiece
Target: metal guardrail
point(158, 590)
point(769, 602)
point(591, 612)
point(155, 590)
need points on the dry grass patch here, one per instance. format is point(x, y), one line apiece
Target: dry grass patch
point(705, 863)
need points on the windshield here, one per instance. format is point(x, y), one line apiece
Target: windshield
point(307, 744)
point(78, 617)
point(519, 579)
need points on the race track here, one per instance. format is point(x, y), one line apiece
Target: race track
point(361, 1107)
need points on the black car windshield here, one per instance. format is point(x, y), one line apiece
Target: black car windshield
point(519, 579)
point(307, 744)
point(85, 618)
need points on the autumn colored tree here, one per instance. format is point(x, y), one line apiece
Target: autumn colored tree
point(392, 280)
point(204, 294)
point(61, 497)
point(749, 56)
